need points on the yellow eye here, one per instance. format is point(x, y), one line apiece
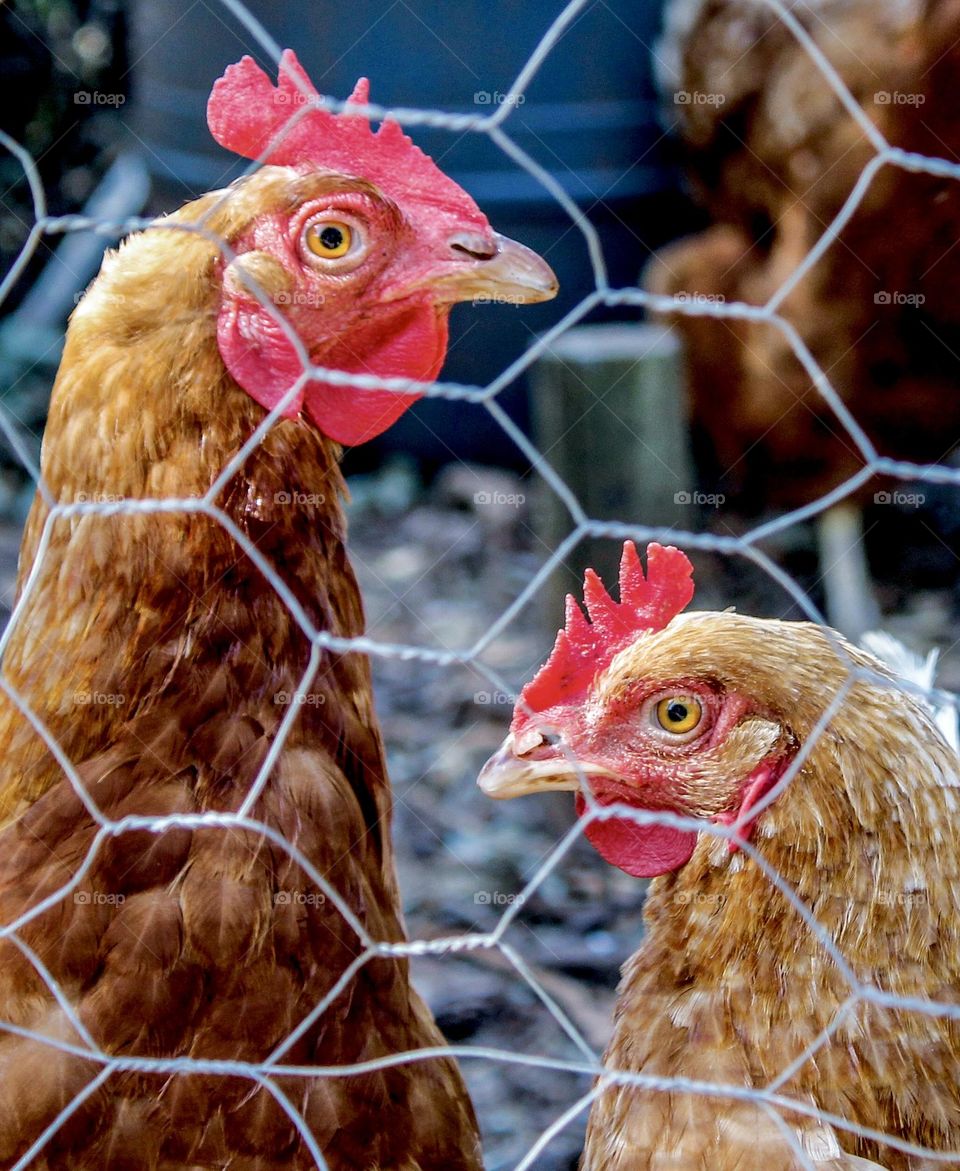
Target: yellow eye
point(679, 714)
point(330, 239)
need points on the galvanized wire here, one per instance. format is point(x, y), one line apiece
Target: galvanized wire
point(589, 1064)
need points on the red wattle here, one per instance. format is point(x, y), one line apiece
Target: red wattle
point(407, 343)
point(643, 851)
point(258, 354)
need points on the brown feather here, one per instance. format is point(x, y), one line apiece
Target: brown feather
point(775, 156)
point(731, 985)
point(154, 650)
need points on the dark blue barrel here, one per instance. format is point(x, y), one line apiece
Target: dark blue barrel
point(590, 118)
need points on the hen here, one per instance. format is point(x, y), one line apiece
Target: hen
point(775, 156)
point(152, 653)
point(807, 752)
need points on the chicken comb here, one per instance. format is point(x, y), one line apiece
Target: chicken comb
point(588, 643)
point(251, 116)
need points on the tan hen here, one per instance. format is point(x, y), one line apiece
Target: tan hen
point(738, 984)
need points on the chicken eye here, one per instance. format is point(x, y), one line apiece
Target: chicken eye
point(679, 714)
point(329, 239)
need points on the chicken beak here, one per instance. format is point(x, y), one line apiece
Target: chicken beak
point(533, 769)
point(494, 269)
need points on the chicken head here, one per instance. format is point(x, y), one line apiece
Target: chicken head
point(361, 251)
point(640, 707)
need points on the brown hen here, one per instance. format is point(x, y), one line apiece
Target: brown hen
point(156, 657)
point(744, 983)
point(775, 155)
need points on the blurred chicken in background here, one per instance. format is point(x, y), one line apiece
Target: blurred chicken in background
point(774, 156)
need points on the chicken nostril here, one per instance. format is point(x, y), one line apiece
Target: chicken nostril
point(475, 246)
point(534, 744)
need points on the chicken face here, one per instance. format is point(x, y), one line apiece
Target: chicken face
point(367, 286)
point(649, 717)
point(369, 251)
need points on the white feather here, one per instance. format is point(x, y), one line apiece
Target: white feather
point(921, 672)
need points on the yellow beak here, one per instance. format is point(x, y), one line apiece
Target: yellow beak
point(494, 269)
point(532, 766)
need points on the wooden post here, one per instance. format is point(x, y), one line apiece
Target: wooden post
point(609, 415)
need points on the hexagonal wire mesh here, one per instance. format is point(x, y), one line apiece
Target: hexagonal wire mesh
point(589, 1066)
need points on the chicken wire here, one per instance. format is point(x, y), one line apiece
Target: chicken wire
point(588, 1064)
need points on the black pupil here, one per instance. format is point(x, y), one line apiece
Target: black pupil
point(331, 238)
point(677, 712)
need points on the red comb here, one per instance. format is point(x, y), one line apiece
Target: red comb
point(583, 648)
point(248, 114)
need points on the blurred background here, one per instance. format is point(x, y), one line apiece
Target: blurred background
point(710, 155)
point(87, 84)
